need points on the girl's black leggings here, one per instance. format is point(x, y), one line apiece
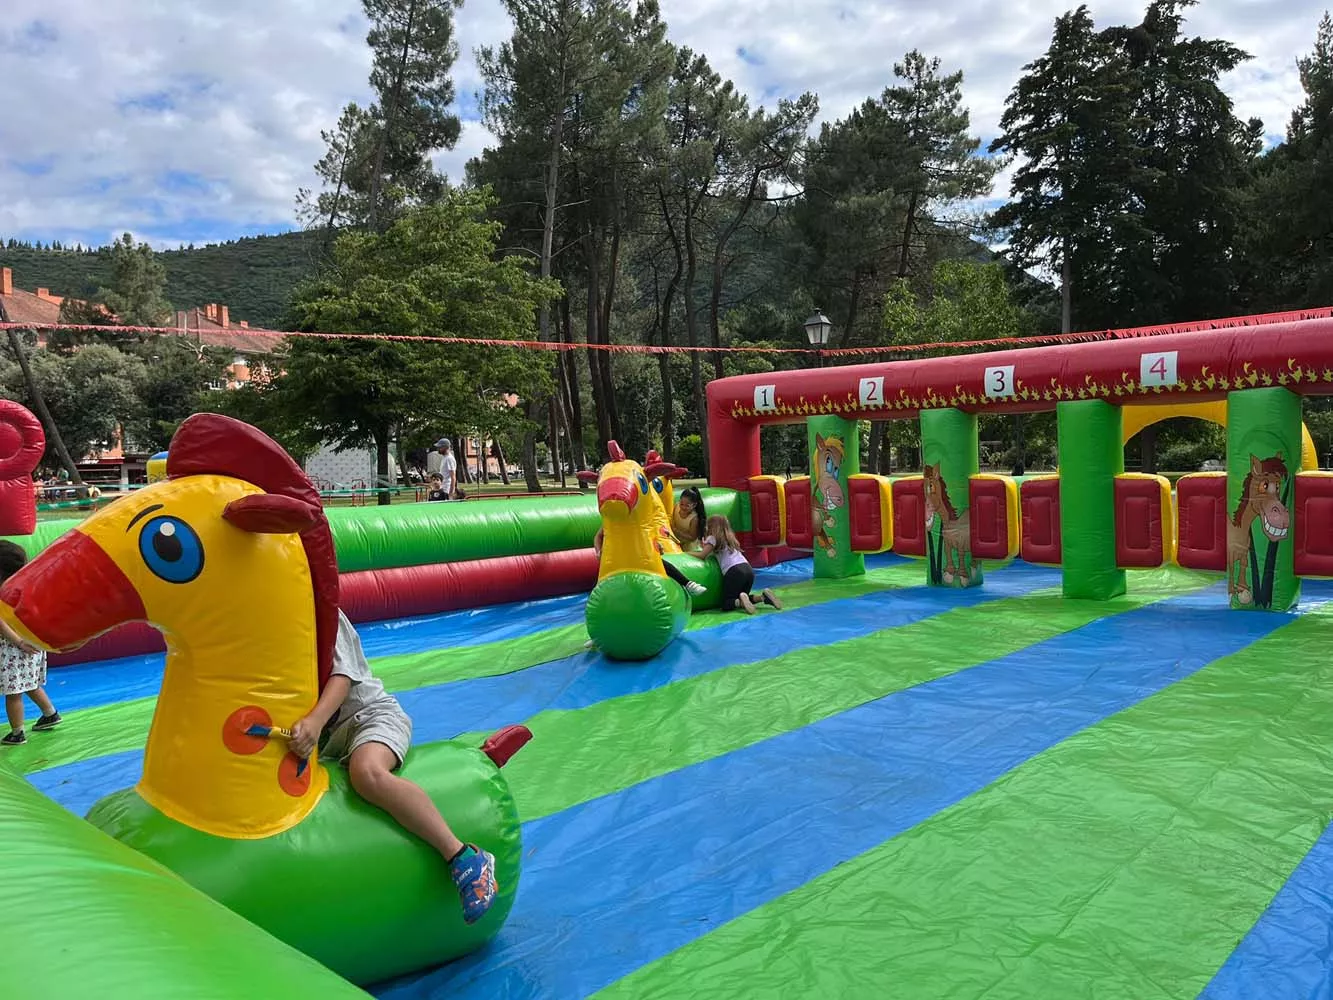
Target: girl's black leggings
point(736, 581)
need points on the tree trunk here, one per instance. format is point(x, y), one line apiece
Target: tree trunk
point(1066, 292)
point(599, 402)
point(608, 375)
point(1148, 449)
point(574, 424)
point(553, 439)
point(461, 474)
point(43, 413)
point(872, 452)
point(715, 298)
point(382, 466)
point(390, 113)
point(500, 459)
point(664, 326)
point(905, 257)
point(530, 479)
point(692, 334)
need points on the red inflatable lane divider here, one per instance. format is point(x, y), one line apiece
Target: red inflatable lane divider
point(377, 594)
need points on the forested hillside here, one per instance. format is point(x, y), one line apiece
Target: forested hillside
point(253, 276)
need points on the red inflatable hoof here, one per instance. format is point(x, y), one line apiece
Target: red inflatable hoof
point(504, 744)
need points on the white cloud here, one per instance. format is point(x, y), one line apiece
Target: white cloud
point(195, 121)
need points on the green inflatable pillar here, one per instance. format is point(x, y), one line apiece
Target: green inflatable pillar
point(1091, 455)
point(949, 454)
point(835, 455)
point(1263, 457)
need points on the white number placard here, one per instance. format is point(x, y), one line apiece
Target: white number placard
point(1157, 369)
point(765, 398)
point(872, 391)
point(1000, 381)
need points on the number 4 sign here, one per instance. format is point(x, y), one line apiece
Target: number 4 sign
point(872, 391)
point(1157, 369)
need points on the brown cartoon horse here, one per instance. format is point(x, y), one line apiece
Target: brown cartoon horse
point(828, 494)
point(1259, 501)
point(955, 531)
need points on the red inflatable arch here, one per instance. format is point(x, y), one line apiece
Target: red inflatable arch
point(22, 443)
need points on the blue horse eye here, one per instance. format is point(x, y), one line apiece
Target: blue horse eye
point(171, 549)
point(643, 484)
point(657, 484)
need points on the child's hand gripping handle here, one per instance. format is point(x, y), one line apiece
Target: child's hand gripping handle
point(268, 732)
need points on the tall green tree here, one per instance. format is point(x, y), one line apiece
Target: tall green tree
point(378, 161)
point(134, 296)
point(1291, 255)
point(433, 273)
point(1068, 119)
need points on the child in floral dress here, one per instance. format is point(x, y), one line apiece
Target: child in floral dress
point(22, 665)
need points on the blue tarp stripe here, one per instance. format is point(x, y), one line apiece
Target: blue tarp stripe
point(442, 711)
point(105, 682)
point(615, 883)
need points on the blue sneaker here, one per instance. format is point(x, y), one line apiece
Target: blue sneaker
point(474, 874)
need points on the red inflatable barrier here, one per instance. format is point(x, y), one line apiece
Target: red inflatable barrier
point(909, 516)
point(1143, 528)
point(1039, 500)
point(1314, 524)
point(868, 509)
point(21, 445)
point(800, 519)
point(768, 510)
point(377, 594)
point(993, 521)
point(1201, 521)
point(135, 639)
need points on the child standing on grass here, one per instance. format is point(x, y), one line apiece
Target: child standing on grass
point(22, 665)
point(737, 573)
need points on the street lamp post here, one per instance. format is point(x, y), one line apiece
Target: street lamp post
point(817, 330)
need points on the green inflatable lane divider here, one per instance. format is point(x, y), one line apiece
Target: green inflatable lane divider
point(1135, 855)
point(634, 616)
point(949, 450)
point(345, 886)
point(420, 534)
point(705, 716)
point(102, 920)
point(835, 456)
point(1263, 456)
point(1091, 455)
point(704, 572)
point(114, 728)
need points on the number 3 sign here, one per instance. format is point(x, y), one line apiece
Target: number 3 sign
point(1000, 381)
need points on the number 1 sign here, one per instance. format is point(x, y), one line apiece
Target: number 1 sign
point(1157, 369)
point(765, 398)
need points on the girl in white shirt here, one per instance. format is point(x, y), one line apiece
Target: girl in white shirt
point(737, 573)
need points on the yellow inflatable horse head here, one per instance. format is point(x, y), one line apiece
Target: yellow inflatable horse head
point(231, 557)
point(630, 513)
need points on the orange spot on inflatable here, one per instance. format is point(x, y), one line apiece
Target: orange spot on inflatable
point(234, 736)
point(292, 783)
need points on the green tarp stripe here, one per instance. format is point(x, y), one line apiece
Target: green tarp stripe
point(582, 754)
point(1134, 855)
point(107, 729)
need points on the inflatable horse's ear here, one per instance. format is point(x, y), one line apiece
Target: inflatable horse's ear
point(616, 452)
point(270, 514)
point(586, 476)
point(660, 469)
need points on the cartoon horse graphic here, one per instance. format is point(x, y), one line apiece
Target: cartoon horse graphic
point(828, 492)
point(955, 528)
point(1260, 500)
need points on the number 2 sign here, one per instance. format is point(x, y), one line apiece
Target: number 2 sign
point(872, 392)
point(1157, 369)
point(765, 398)
point(999, 381)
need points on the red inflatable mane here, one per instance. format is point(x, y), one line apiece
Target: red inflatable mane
point(211, 444)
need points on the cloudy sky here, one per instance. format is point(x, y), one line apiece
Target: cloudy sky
point(197, 120)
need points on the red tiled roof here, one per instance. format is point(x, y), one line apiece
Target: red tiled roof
point(196, 324)
point(25, 307)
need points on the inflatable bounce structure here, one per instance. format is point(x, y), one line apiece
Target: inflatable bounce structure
point(1046, 736)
